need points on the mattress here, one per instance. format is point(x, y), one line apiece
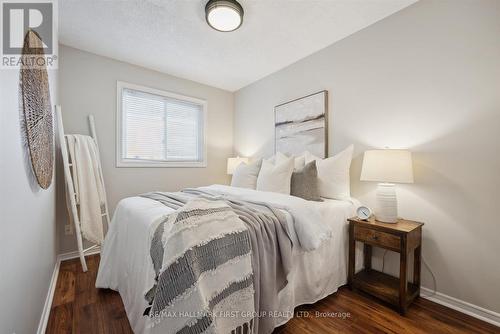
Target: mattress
point(127, 268)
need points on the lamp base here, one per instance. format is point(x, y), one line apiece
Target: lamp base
point(386, 209)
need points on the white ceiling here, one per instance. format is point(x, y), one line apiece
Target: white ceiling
point(172, 36)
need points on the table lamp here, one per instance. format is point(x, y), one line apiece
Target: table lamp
point(387, 167)
point(232, 163)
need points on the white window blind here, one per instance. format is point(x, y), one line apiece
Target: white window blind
point(159, 129)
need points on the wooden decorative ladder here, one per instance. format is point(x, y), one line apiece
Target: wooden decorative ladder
point(70, 188)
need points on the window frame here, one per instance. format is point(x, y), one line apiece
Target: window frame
point(122, 162)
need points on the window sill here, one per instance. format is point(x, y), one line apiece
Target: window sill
point(160, 164)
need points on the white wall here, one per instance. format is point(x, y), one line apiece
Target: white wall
point(27, 221)
point(427, 79)
point(88, 85)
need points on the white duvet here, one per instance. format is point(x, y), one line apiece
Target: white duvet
point(320, 262)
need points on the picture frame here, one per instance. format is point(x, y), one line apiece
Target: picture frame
point(302, 125)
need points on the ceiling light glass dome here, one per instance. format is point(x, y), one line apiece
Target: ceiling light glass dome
point(224, 15)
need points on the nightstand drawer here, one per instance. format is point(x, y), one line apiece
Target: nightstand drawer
point(377, 238)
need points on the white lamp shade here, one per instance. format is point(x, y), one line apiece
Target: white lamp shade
point(391, 166)
point(232, 163)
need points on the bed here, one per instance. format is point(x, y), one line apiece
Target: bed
point(126, 264)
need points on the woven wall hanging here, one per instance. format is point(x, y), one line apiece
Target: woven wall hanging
point(37, 110)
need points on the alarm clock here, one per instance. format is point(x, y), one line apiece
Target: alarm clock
point(363, 212)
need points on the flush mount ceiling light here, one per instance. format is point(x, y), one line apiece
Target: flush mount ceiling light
point(224, 15)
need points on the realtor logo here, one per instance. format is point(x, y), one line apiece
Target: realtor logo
point(18, 18)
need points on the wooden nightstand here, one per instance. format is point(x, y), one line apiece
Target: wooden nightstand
point(402, 237)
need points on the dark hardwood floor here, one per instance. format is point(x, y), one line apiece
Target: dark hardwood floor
point(78, 307)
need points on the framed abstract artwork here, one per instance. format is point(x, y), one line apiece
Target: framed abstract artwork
point(302, 125)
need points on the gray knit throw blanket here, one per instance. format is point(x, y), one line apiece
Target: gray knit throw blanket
point(209, 278)
point(207, 271)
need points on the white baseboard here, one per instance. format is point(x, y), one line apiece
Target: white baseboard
point(462, 306)
point(42, 325)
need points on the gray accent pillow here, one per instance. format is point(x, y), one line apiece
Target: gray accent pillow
point(305, 182)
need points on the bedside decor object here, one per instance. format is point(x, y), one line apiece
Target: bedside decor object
point(232, 163)
point(37, 117)
point(301, 125)
point(402, 237)
point(388, 167)
point(224, 15)
point(363, 212)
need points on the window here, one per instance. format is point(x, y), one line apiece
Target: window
point(159, 129)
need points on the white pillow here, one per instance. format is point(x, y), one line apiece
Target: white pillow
point(245, 175)
point(276, 178)
point(333, 174)
point(299, 161)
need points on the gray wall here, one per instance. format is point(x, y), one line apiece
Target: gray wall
point(427, 79)
point(27, 221)
point(88, 85)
